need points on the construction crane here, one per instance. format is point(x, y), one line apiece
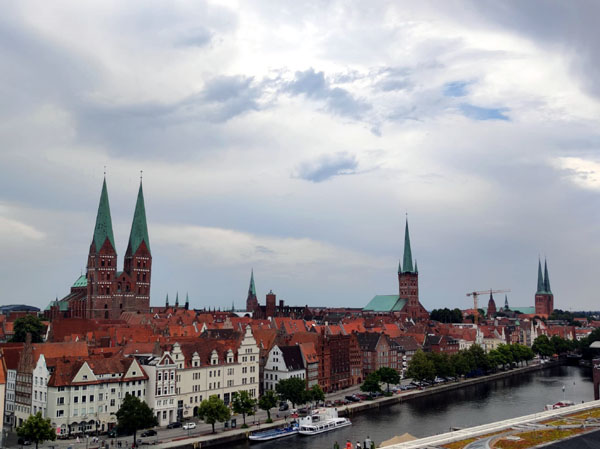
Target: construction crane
point(475, 296)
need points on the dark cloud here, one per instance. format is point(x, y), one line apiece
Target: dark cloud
point(338, 101)
point(327, 167)
point(571, 28)
point(479, 113)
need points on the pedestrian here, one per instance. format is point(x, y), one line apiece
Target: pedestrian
point(358, 445)
point(336, 445)
point(367, 444)
point(348, 444)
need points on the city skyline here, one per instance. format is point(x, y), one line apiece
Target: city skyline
point(294, 139)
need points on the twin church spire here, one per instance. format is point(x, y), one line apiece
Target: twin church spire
point(104, 231)
point(543, 283)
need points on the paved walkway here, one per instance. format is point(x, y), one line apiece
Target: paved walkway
point(472, 432)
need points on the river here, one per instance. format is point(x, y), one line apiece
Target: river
point(471, 406)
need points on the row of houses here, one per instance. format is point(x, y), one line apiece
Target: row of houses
point(174, 358)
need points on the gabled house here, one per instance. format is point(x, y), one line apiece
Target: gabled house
point(283, 362)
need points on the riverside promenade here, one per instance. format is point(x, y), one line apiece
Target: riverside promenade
point(237, 435)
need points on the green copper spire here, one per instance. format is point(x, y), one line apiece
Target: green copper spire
point(167, 301)
point(416, 268)
point(399, 266)
point(506, 302)
point(139, 228)
point(546, 278)
point(177, 299)
point(252, 288)
point(187, 298)
point(103, 229)
point(540, 286)
point(407, 262)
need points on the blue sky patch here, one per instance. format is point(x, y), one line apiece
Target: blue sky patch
point(456, 89)
point(479, 113)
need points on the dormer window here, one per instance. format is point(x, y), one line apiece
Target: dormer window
point(85, 377)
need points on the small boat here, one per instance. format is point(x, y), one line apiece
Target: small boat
point(559, 404)
point(272, 434)
point(322, 420)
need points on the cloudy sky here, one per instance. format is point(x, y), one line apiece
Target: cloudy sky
point(294, 137)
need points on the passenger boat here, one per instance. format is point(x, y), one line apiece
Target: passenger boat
point(559, 404)
point(272, 434)
point(322, 420)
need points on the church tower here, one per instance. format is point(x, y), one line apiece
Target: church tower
point(544, 298)
point(102, 264)
point(138, 261)
point(251, 299)
point(408, 280)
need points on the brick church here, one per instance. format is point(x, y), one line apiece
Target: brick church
point(103, 292)
point(405, 304)
point(544, 298)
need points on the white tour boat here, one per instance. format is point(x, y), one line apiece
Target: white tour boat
point(322, 420)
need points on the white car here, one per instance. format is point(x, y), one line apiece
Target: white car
point(189, 425)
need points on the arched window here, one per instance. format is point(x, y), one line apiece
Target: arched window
point(159, 376)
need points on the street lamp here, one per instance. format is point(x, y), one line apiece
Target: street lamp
point(563, 389)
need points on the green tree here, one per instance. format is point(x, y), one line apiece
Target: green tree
point(28, 324)
point(212, 410)
point(560, 345)
point(479, 359)
point(441, 362)
point(317, 394)
point(371, 383)
point(496, 358)
point(266, 402)
point(135, 414)
point(293, 390)
point(460, 363)
point(421, 367)
point(388, 376)
point(507, 354)
point(37, 429)
point(542, 346)
point(243, 403)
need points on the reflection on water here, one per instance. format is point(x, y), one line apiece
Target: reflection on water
point(478, 404)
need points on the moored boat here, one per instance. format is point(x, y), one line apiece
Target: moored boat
point(322, 420)
point(272, 434)
point(559, 404)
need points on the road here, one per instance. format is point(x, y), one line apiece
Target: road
point(171, 434)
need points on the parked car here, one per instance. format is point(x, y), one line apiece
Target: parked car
point(283, 406)
point(148, 433)
point(352, 398)
point(174, 425)
point(189, 425)
point(116, 432)
point(362, 396)
point(24, 442)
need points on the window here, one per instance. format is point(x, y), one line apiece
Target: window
point(60, 413)
point(85, 377)
point(83, 398)
point(112, 402)
point(91, 398)
point(75, 399)
point(60, 400)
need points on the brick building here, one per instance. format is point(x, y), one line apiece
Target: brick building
point(544, 299)
point(104, 292)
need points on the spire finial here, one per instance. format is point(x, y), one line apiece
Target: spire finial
point(141, 175)
point(105, 171)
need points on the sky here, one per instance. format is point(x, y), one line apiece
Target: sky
point(295, 138)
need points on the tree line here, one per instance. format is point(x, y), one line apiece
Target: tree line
point(468, 362)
